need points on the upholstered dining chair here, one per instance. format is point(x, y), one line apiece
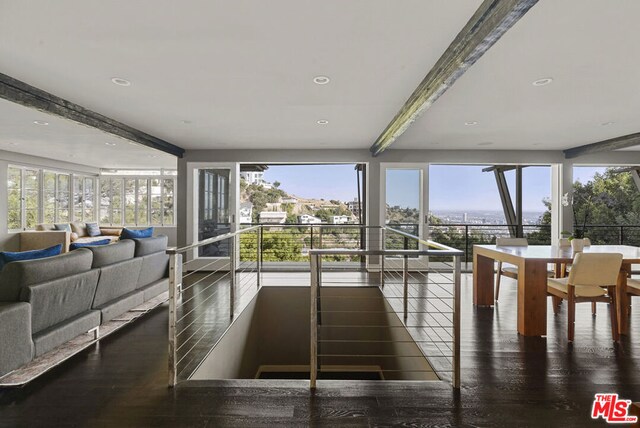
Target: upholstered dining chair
point(593, 278)
point(509, 271)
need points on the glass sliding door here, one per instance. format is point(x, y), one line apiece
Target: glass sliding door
point(404, 198)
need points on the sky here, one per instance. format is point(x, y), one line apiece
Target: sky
point(451, 187)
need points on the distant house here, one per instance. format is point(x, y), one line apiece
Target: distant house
point(290, 200)
point(246, 212)
point(273, 217)
point(309, 219)
point(255, 177)
point(340, 219)
point(354, 207)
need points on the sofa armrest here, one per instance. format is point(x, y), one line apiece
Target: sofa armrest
point(37, 240)
point(15, 336)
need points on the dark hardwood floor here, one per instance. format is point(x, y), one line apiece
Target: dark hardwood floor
point(508, 380)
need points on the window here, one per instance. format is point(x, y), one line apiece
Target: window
point(137, 201)
point(35, 195)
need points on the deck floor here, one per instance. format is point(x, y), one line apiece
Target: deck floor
point(507, 380)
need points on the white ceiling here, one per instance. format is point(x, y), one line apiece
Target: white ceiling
point(68, 141)
point(241, 71)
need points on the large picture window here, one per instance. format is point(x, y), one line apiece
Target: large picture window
point(42, 196)
point(131, 199)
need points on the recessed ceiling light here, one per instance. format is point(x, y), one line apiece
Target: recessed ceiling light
point(120, 81)
point(607, 123)
point(110, 144)
point(323, 122)
point(186, 122)
point(542, 82)
point(153, 156)
point(13, 143)
point(40, 122)
point(536, 144)
point(321, 80)
point(486, 143)
point(471, 123)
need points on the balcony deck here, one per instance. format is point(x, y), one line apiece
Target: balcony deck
point(506, 380)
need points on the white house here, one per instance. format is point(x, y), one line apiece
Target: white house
point(273, 217)
point(246, 212)
point(354, 207)
point(309, 219)
point(340, 219)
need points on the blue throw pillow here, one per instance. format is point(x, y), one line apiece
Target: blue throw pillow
point(77, 245)
point(63, 226)
point(93, 229)
point(8, 256)
point(134, 234)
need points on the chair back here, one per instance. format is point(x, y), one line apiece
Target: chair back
point(564, 242)
point(512, 242)
point(595, 269)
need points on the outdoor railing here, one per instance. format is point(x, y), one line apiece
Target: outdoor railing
point(414, 318)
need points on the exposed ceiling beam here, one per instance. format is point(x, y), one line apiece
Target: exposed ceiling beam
point(604, 146)
point(492, 19)
point(29, 96)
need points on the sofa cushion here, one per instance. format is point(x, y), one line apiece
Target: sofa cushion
point(56, 335)
point(93, 229)
point(117, 280)
point(109, 254)
point(16, 275)
point(122, 304)
point(146, 246)
point(110, 231)
point(9, 256)
point(45, 226)
point(15, 336)
point(55, 301)
point(89, 239)
point(79, 228)
point(132, 233)
point(154, 268)
point(63, 226)
point(77, 245)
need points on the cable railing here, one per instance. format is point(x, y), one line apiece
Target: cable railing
point(404, 324)
point(198, 290)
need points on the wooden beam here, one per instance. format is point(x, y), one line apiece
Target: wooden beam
point(492, 19)
point(29, 96)
point(604, 146)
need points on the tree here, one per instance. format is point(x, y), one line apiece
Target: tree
point(276, 184)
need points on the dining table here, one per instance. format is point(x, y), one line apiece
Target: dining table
point(533, 263)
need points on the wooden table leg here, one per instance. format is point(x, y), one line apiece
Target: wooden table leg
point(622, 299)
point(532, 298)
point(482, 280)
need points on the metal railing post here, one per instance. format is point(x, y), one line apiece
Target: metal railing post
point(259, 256)
point(405, 282)
point(311, 229)
point(320, 237)
point(456, 322)
point(232, 273)
point(261, 241)
point(466, 246)
point(621, 235)
point(175, 282)
point(313, 357)
point(382, 245)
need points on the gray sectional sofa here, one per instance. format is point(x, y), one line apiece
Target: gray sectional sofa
point(47, 302)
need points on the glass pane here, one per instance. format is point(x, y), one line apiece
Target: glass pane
point(403, 194)
point(14, 178)
point(49, 197)
point(14, 200)
point(31, 218)
point(89, 200)
point(63, 198)
point(213, 215)
point(130, 201)
point(143, 199)
point(168, 201)
point(77, 198)
point(105, 201)
point(13, 219)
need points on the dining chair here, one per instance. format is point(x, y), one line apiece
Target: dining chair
point(509, 271)
point(593, 278)
point(633, 289)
